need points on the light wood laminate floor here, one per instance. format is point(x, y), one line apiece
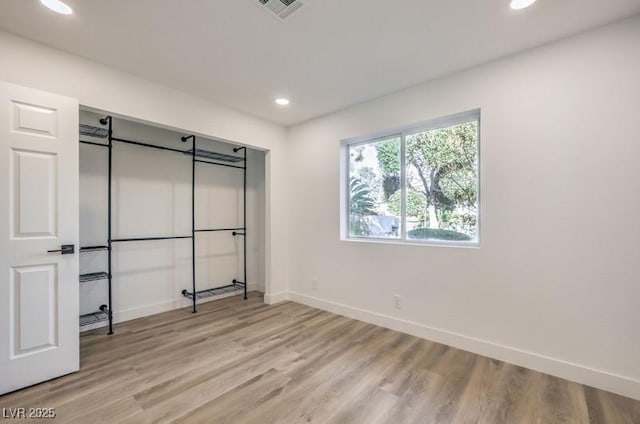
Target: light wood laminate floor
point(246, 362)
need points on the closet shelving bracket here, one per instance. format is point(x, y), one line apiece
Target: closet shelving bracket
point(213, 158)
point(222, 157)
point(216, 291)
point(197, 156)
point(193, 153)
point(244, 212)
point(103, 314)
point(91, 131)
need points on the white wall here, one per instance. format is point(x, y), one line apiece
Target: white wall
point(103, 88)
point(152, 197)
point(555, 284)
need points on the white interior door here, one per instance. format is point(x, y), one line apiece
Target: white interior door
point(39, 334)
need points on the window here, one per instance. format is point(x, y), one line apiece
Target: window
point(419, 184)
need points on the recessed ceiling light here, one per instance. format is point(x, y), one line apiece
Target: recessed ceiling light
point(521, 4)
point(58, 6)
point(282, 101)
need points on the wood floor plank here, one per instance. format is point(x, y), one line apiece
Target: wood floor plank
point(233, 406)
point(239, 361)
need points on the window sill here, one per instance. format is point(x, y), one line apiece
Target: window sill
point(430, 243)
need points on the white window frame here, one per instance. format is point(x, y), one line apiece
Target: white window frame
point(402, 133)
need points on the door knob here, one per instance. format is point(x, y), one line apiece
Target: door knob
point(65, 249)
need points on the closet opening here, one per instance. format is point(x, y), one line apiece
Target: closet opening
point(168, 219)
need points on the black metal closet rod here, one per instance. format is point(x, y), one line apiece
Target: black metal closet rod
point(85, 248)
point(149, 239)
point(137, 143)
point(94, 143)
point(219, 164)
point(219, 229)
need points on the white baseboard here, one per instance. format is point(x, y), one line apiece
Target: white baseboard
point(271, 299)
point(151, 309)
point(584, 375)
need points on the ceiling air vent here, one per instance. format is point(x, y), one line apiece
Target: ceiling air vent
point(281, 8)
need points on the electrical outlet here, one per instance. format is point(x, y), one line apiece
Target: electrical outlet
point(314, 284)
point(396, 302)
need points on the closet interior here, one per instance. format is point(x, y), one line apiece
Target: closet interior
point(167, 220)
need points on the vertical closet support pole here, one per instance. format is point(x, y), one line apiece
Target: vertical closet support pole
point(244, 225)
point(244, 214)
point(193, 218)
point(109, 235)
point(193, 222)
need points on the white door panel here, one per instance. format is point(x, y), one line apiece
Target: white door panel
point(34, 119)
point(33, 194)
point(35, 319)
point(39, 335)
